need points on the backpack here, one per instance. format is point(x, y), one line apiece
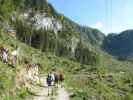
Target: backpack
point(49, 79)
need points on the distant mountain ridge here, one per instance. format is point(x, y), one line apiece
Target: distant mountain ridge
point(119, 45)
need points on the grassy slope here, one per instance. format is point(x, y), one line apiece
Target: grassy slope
point(103, 81)
point(111, 80)
point(7, 73)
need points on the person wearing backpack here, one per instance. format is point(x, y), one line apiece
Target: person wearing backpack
point(5, 55)
point(50, 81)
point(15, 55)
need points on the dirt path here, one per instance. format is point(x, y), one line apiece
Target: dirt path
point(62, 94)
point(42, 94)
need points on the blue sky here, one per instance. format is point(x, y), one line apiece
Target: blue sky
point(106, 15)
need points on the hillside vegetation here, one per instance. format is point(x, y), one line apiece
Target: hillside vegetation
point(54, 41)
point(39, 25)
point(110, 80)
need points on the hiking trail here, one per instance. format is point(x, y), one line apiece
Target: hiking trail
point(62, 94)
point(42, 94)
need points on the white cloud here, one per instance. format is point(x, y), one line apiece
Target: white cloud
point(98, 25)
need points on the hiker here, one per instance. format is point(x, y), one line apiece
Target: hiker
point(5, 55)
point(15, 54)
point(56, 74)
point(50, 81)
point(61, 76)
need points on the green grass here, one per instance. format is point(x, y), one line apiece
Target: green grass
point(101, 84)
point(85, 81)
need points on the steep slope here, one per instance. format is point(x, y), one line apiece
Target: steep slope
point(110, 79)
point(38, 24)
point(9, 76)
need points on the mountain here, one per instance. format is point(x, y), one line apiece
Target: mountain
point(39, 25)
point(119, 45)
point(109, 79)
point(53, 41)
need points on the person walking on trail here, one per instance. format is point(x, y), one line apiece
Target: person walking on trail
point(56, 82)
point(15, 54)
point(62, 77)
point(5, 55)
point(50, 82)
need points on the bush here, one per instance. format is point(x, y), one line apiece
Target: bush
point(23, 92)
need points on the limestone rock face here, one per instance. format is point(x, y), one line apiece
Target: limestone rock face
point(41, 21)
point(48, 23)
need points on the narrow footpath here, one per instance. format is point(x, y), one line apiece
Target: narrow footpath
point(62, 94)
point(42, 94)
